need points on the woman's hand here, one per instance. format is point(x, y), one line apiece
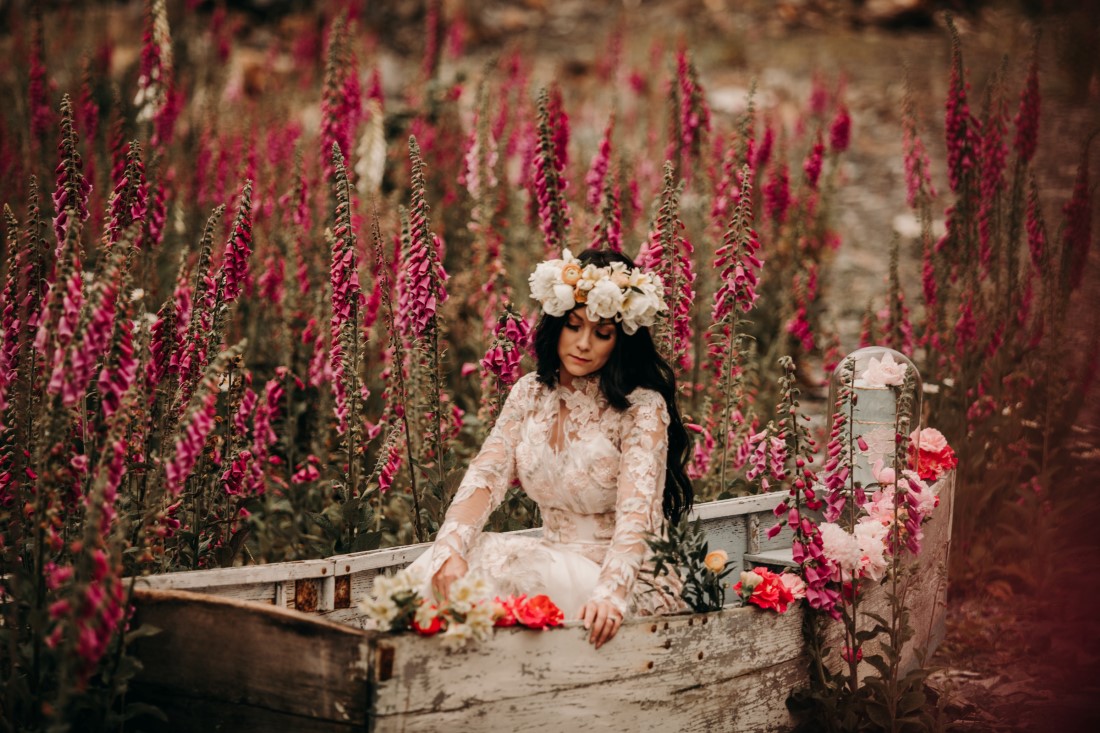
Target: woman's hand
point(453, 569)
point(602, 619)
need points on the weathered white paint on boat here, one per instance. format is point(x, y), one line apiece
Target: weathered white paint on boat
point(225, 664)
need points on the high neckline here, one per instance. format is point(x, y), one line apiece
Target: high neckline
point(589, 385)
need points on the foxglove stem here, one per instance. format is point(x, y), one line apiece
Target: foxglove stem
point(73, 189)
point(130, 197)
point(601, 162)
point(553, 211)
point(238, 248)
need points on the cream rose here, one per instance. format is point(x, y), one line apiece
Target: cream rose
point(605, 300)
point(750, 580)
point(544, 278)
point(560, 300)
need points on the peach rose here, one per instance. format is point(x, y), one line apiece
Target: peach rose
point(716, 561)
point(621, 279)
point(570, 273)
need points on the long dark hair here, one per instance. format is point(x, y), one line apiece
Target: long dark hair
point(634, 362)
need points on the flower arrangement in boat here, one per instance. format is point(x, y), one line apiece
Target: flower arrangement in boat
point(770, 591)
point(468, 613)
point(627, 295)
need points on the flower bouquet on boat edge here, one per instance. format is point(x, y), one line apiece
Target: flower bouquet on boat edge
point(468, 613)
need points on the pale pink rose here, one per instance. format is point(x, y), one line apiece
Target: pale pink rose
point(794, 584)
point(842, 548)
point(930, 439)
point(883, 474)
point(871, 535)
point(883, 372)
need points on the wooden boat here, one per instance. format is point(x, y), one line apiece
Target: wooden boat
point(278, 647)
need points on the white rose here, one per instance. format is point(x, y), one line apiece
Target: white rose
point(841, 547)
point(640, 309)
point(559, 301)
point(605, 300)
point(544, 278)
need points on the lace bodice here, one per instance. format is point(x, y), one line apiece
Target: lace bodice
point(597, 474)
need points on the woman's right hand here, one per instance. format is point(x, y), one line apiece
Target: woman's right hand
point(453, 569)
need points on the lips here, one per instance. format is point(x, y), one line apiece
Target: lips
point(579, 360)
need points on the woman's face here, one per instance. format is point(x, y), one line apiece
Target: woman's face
point(584, 346)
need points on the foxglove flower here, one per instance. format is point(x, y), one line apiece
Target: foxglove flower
point(72, 191)
point(238, 248)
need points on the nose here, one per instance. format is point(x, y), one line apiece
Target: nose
point(584, 338)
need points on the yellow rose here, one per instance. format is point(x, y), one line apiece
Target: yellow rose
point(716, 561)
point(570, 273)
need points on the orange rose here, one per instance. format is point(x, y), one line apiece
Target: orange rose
point(579, 295)
point(571, 273)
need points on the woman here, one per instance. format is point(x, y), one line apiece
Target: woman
point(595, 438)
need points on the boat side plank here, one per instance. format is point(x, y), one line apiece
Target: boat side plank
point(262, 658)
point(659, 655)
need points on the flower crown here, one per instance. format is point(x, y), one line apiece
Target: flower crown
point(629, 296)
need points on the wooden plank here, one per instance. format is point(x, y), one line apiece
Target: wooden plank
point(783, 558)
point(729, 671)
point(271, 662)
point(252, 592)
point(659, 656)
point(274, 572)
point(738, 505)
point(750, 703)
point(202, 714)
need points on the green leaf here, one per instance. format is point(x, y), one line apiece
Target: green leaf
point(367, 541)
point(911, 701)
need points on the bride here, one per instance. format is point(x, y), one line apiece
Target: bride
point(595, 438)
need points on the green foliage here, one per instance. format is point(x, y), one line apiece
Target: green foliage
point(682, 553)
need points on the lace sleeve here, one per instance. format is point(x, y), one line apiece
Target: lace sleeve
point(487, 479)
point(644, 449)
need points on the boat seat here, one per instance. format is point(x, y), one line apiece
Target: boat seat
point(774, 560)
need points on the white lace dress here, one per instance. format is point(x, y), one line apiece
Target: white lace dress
point(598, 476)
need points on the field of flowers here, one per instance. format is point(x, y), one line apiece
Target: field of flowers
point(265, 310)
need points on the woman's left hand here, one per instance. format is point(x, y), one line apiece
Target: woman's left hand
point(603, 621)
